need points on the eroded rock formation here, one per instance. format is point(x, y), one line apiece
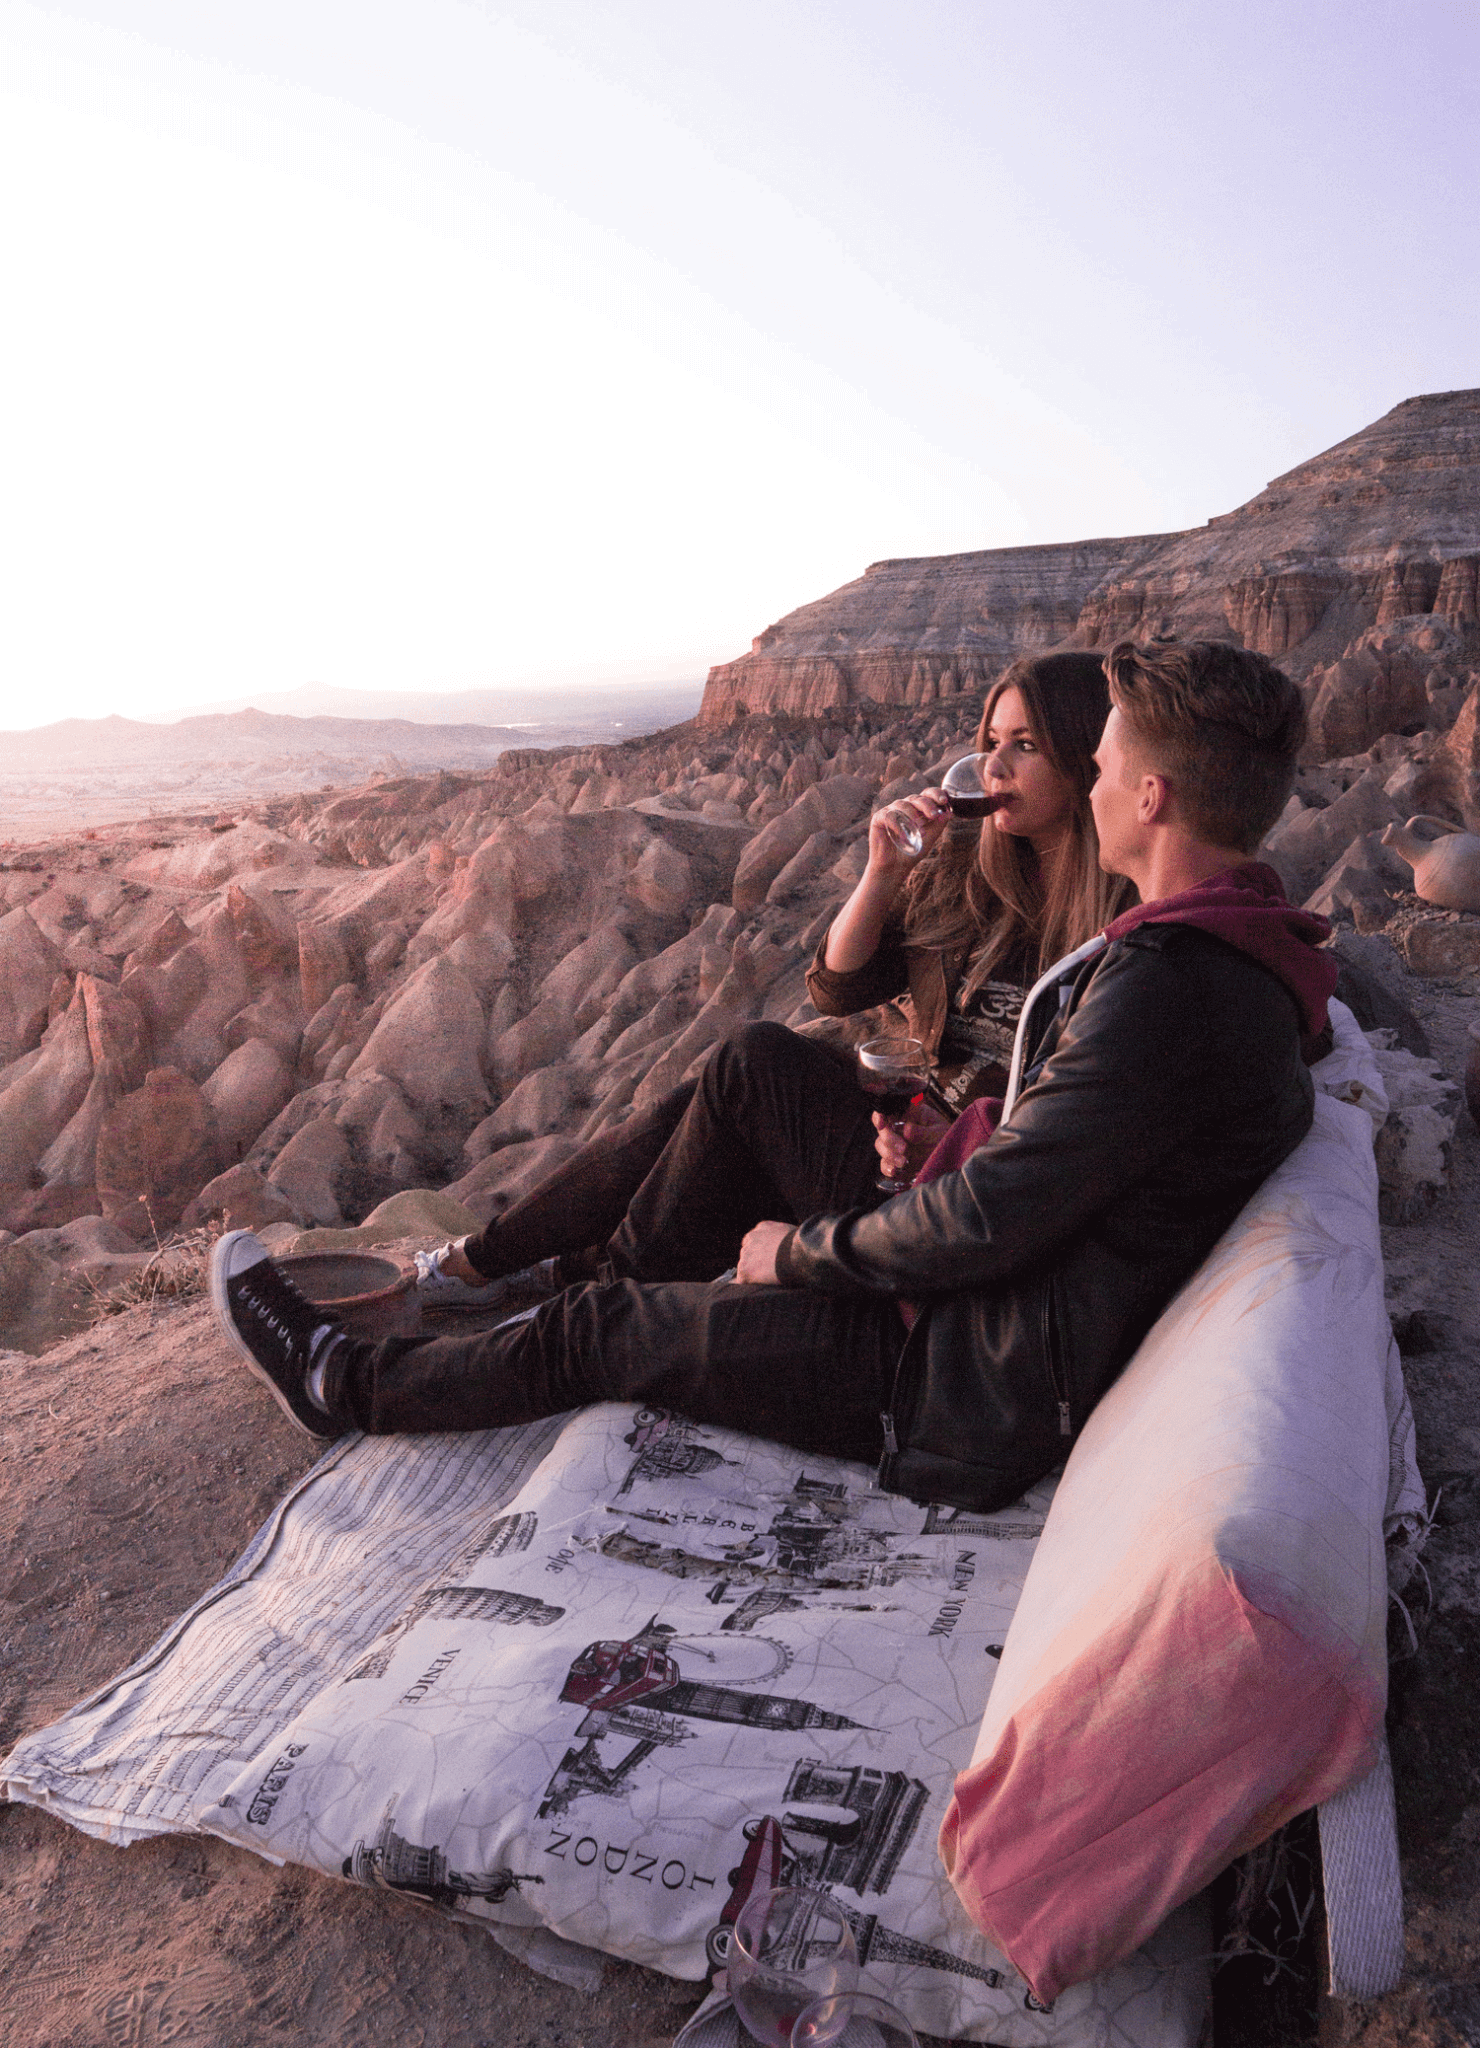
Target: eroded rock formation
point(290, 1015)
point(1380, 532)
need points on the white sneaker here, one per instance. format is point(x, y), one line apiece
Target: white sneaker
point(438, 1289)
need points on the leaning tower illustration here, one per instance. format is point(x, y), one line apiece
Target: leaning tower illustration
point(941, 1521)
point(503, 1537)
point(454, 1603)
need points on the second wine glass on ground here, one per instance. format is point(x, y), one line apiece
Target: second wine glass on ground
point(789, 1948)
point(853, 2019)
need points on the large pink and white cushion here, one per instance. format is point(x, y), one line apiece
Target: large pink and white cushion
point(1199, 1653)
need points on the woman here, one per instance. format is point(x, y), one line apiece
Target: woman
point(776, 1125)
point(969, 930)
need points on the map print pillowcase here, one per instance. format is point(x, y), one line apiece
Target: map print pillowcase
point(681, 1662)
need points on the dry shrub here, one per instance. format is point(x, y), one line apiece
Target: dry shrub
point(177, 1271)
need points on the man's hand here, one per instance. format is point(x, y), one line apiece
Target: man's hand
point(757, 1261)
point(903, 1150)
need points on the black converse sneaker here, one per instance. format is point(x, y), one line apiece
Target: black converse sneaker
point(278, 1331)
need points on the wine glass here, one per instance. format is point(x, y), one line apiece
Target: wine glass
point(904, 831)
point(892, 1071)
point(789, 1947)
point(854, 2019)
point(968, 793)
point(969, 790)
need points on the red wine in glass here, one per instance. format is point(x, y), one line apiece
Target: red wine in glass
point(966, 792)
point(891, 1096)
point(892, 1072)
point(976, 806)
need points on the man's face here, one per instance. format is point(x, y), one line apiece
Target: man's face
point(1115, 798)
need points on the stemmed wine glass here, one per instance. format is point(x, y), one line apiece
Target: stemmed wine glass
point(968, 793)
point(789, 1948)
point(892, 1072)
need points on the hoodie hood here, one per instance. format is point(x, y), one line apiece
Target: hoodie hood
point(1246, 906)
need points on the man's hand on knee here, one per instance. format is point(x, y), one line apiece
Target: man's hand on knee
point(757, 1261)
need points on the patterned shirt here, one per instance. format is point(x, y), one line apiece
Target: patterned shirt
point(976, 1043)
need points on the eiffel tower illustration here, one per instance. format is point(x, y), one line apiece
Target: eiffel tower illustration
point(881, 1944)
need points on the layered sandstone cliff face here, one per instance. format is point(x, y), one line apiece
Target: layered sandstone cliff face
point(1383, 527)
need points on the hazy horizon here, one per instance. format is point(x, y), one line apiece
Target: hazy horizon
point(535, 703)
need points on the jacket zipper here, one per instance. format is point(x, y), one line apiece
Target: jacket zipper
point(886, 1416)
point(1066, 1424)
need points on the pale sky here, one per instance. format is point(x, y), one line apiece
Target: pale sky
point(451, 343)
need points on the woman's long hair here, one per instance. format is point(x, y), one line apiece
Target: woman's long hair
point(986, 894)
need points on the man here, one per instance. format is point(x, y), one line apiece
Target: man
point(967, 1327)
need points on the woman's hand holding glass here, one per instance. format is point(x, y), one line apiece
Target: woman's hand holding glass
point(905, 1143)
point(903, 830)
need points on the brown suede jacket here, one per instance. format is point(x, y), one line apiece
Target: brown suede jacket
point(925, 978)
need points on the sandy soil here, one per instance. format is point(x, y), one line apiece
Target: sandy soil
point(137, 1460)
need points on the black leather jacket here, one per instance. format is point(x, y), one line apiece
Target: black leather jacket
point(1167, 1088)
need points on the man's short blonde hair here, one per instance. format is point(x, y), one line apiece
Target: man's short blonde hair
point(1223, 725)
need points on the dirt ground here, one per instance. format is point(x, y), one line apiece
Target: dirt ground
point(138, 1458)
point(1433, 1271)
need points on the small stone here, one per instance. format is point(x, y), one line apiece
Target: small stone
point(1412, 1161)
point(242, 1199)
point(1417, 1334)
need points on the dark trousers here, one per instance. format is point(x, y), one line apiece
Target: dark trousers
point(807, 1369)
point(775, 1126)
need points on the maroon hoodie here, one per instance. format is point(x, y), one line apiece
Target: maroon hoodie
point(1244, 906)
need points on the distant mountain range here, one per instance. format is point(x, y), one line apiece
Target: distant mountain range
point(110, 744)
point(635, 706)
point(89, 771)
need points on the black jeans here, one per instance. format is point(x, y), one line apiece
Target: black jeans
point(807, 1369)
point(775, 1126)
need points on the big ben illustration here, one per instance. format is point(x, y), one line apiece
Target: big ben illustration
point(635, 1688)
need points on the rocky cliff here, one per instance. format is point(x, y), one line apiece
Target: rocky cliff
point(304, 1008)
point(1385, 526)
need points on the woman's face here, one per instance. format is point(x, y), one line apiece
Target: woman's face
point(1040, 801)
